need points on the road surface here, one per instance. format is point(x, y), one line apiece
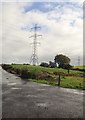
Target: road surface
point(22, 99)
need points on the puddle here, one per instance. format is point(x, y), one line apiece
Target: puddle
point(40, 89)
point(78, 92)
point(42, 104)
point(73, 91)
point(11, 83)
point(44, 85)
point(24, 83)
point(31, 96)
point(15, 88)
point(5, 81)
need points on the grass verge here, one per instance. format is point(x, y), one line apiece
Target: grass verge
point(49, 76)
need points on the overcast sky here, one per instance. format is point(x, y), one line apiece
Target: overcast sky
point(61, 28)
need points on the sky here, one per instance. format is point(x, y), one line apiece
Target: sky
point(61, 25)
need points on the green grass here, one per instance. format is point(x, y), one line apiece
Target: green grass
point(44, 82)
point(73, 82)
point(46, 76)
point(51, 70)
point(66, 82)
point(80, 67)
point(39, 81)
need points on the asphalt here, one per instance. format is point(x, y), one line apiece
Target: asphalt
point(26, 99)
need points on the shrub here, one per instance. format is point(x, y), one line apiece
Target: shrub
point(18, 71)
point(6, 66)
point(24, 73)
point(44, 64)
point(33, 75)
point(52, 64)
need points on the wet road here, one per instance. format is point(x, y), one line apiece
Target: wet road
point(22, 99)
point(0, 94)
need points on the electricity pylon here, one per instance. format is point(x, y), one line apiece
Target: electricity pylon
point(78, 61)
point(34, 57)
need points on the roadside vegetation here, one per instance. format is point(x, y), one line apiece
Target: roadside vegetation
point(79, 67)
point(74, 79)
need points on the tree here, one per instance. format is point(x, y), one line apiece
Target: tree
point(61, 60)
point(68, 66)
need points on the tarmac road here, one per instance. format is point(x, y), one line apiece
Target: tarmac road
point(22, 99)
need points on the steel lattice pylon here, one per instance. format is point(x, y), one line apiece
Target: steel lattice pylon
point(34, 57)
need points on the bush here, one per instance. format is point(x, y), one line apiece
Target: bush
point(6, 66)
point(78, 69)
point(66, 66)
point(26, 64)
point(52, 64)
point(33, 75)
point(25, 73)
point(43, 64)
point(18, 71)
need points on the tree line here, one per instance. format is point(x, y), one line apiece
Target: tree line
point(60, 61)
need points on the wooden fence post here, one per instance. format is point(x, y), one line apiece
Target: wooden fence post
point(59, 80)
point(68, 71)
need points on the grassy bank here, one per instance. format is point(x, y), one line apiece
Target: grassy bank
point(48, 75)
point(80, 67)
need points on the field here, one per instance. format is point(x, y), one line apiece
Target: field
point(80, 67)
point(75, 79)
